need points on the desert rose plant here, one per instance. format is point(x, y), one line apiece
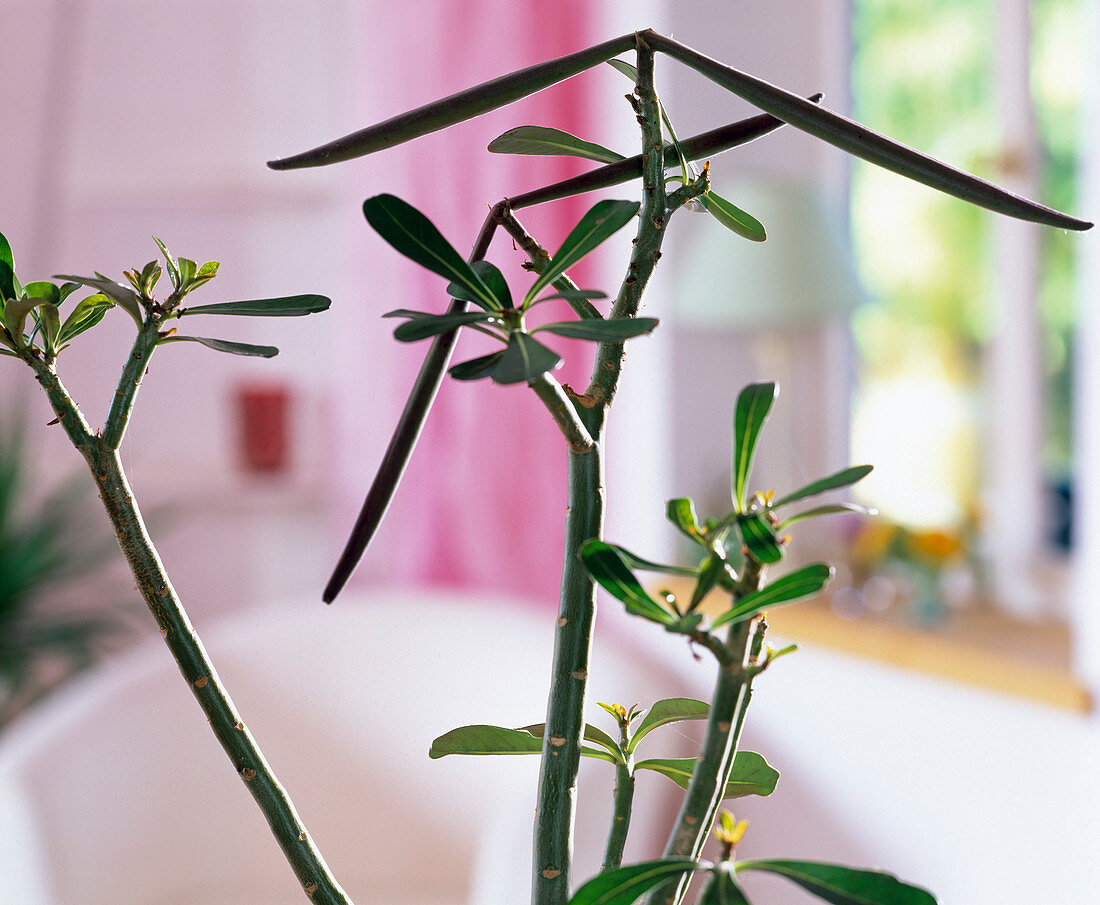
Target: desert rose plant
point(736, 550)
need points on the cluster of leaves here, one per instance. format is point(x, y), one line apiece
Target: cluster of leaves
point(751, 773)
point(753, 528)
point(545, 140)
point(831, 882)
point(523, 358)
point(31, 316)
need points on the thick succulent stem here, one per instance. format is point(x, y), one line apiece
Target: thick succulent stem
point(652, 220)
point(577, 607)
point(561, 408)
point(623, 806)
point(180, 637)
point(129, 383)
point(561, 749)
point(729, 704)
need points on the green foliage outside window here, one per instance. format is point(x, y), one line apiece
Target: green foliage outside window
point(924, 70)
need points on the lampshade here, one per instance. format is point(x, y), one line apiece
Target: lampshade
point(802, 274)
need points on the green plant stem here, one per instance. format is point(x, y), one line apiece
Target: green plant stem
point(729, 704)
point(624, 803)
point(561, 408)
point(758, 632)
point(540, 258)
point(705, 144)
point(129, 383)
point(561, 750)
point(652, 219)
point(180, 637)
point(706, 781)
point(577, 606)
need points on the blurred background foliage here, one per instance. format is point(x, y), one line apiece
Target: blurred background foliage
point(924, 72)
point(53, 548)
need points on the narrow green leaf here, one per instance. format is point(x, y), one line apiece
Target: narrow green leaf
point(51, 325)
point(637, 562)
point(188, 269)
point(732, 217)
point(607, 566)
point(7, 270)
point(426, 325)
point(206, 273)
point(485, 740)
point(722, 887)
point(751, 775)
point(623, 885)
point(844, 885)
point(43, 289)
point(85, 315)
point(627, 69)
point(830, 509)
point(476, 368)
point(603, 220)
point(15, 317)
point(631, 72)
point(753, 405)
point(573, 295)
point(284, 306)
point(842, 478)
point(801, 583)
point(759, 537)
point(860, 141)
point(711, 573)
point(456, 108)
point(127, 298)
point(545, 141)
point(669, 710)
point(492, 277)
point(685, 625)
point(170, 263)
point(615, 329)
point(224, 345)
point(592, 734)
point(415, 236)
point(523, 360)
point(681, 512)
point(148, 277)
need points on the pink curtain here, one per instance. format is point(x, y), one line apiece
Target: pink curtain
point(483, 501)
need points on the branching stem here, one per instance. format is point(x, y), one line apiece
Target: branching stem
point(577, 608)
point(175, 627)
point(561, 407)
point(732, 694)
point(405, 435)
point(132, 373)
point(624, 800)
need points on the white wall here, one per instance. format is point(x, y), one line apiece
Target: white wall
point(126, 119)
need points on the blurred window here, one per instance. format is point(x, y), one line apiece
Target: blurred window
point(963, 398)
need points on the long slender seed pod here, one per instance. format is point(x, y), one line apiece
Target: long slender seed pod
point(456, 108)
point(405, 435)
point(705, 144)
point(862, 142)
